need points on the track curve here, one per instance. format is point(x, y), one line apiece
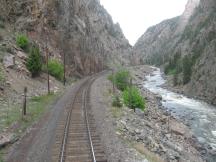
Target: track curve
point(77, 139)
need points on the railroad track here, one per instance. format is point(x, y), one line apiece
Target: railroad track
point(77, 139)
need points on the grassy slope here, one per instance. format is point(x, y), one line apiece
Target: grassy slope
point(36, 107)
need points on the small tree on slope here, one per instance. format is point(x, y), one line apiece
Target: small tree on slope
point(34, 62)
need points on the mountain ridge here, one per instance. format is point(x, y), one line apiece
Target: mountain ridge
point(188, 53)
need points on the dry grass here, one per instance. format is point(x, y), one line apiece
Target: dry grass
point(149, 155)
point(36, 106)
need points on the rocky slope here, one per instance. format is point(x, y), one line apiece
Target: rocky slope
point(186, 46)
point(83, 30)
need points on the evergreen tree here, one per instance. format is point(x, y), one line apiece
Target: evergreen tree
point(34, 62)
point(187, 69)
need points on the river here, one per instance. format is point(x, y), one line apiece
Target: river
point(200, 116)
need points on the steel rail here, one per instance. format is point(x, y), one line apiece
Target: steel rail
point(87, 120)
point(66, 130)
point(85, 87)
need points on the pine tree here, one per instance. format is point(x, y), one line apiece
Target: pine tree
point(34, 62)
point(187, 69)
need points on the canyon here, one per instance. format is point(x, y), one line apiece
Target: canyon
point(191, 36)
point(82, 34)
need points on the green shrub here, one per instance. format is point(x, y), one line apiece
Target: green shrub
point(133, 99)
point(56, 69)
point(169, 70)
point(174, 65)
point(34, 61)
point(172, 72)
point(121, 79)
point(22, 41)
point(116, 102)
point(110, 77)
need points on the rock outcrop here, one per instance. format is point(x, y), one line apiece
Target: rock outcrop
point(82, 30)
point(191, 35)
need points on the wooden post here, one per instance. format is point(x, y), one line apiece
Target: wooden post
point(94, 67)
point(64, 70)
point(90, 66)
point(24, 102)
point(47, 54)
point(47, 61)
point(103, 65)
point(14, 62)
point(113, 81)
point(8, 102)
point(130, 94)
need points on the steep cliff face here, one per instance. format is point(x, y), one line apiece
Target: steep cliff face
point(82, 30)
point(186, 48)
point(158, 41)
point(151, 47)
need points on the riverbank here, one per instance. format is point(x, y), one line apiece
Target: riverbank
point(159, 131)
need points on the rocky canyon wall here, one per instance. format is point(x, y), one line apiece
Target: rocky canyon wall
point(81, 29)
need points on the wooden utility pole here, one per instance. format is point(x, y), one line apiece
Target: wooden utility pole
point(130, 95)
point(24, 102)
point(47, 52)
point(90, 66)
point(113, 81)
point(102, 65)
point(64, 69)
point(47, 62)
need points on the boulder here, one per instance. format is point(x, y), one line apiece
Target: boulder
point(22, 55)
point(173, 146)
point(174, 156)
point(177, 128)
point(139, 112)
point(8, 83)
point(6, 139)
point(158, 97)
point(1, 88)
point(123, 122)
point(9, 61)
point(138, 131)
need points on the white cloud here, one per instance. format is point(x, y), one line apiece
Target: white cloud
point(135, 16)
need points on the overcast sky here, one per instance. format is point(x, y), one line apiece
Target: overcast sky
point(135, 16)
